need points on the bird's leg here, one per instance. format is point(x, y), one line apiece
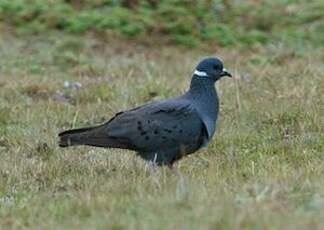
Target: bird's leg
point(154, 159)
point(173, 169)
point(152, 165)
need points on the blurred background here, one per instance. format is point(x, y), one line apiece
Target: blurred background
point(220, 22)
point(75, 63)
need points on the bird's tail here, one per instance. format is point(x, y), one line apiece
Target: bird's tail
point(74, 137)
point(93, 136)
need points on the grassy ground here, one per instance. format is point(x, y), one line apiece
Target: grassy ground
point(262, 170)
point(225, 22)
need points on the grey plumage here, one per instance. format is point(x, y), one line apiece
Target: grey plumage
point(161, 131)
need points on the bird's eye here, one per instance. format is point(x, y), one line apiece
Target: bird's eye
point(215, 67)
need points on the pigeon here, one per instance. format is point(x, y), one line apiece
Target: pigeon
point(164, 131)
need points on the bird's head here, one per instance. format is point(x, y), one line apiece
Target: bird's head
point(211, 68)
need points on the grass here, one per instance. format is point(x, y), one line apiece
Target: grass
point(262, 170)
point(190, 23)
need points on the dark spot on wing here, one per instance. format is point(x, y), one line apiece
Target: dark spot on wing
point(139, 125)
point(147, 138)
point(164, 137)
point(143, 133)
point(180, 131)
point(175, 126)
point(168, 130)
point(156, 131)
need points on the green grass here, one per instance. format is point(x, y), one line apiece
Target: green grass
point(263, 169)
point(190, 23)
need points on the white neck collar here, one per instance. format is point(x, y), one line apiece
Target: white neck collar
point(200, 73)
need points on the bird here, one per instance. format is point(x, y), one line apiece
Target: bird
point(163, 131)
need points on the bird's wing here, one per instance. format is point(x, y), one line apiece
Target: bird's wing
point(157, 125)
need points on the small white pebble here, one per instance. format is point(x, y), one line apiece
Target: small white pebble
point(72, 85)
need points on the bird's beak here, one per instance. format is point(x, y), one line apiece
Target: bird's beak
point(225, 73)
